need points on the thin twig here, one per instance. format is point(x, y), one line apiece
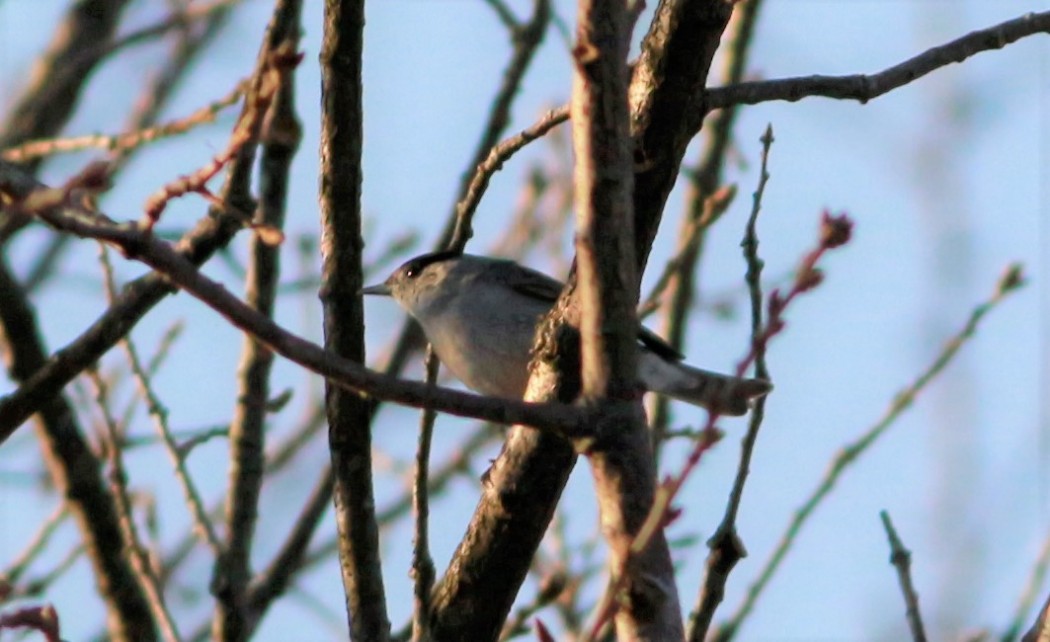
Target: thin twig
point(422, 564)
point(39, 585)
point(127, 140)
point(725, 545)
point(526, 38)
point(1011, 281)
point(13, 573)
point(1036, 577)
point(137, 553)
point(900, 558)
point(159, 413)
point(835, 231)
point(862, 87)
point(499, 155)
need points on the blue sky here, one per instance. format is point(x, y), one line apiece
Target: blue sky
point(947, 181)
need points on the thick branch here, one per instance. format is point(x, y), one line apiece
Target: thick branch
point(349, 415)
point(621, 457)
point(667, 108)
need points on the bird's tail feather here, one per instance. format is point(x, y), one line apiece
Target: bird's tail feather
point(716, 392)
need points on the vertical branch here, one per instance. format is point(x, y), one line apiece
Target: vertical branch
point(621, 458)
point(705, 202)
point(349, 415)
point(422, 564)
point(280, 136)
point(726, 546)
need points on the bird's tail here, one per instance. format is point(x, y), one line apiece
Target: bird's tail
point(716, 392)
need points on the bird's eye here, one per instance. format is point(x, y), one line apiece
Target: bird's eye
point(412, 271)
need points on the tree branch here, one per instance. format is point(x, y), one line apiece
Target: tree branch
point(280, 134)
point(862, 87)
point(607, 290)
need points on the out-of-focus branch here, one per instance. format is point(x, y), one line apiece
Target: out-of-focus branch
point(35, 618)
point(280, 135)
point(900, 558)
point(127, 140)
point(1011, 280)
point(191, 42)
point(526, 37)
point(706, 202)
point(1040, 630)
point(59, 75)
point(18, 566)
point(201, 522)
point(130, 541)
point(862, 87)
point(275, 579)
point(44, 381)
point(1035, 581)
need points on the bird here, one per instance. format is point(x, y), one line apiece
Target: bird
point(480, 314)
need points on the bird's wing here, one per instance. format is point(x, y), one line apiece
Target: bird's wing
point(529, 282)
point(540, 286)
point(657, 345)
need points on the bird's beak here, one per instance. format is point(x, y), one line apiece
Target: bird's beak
point(382, 289)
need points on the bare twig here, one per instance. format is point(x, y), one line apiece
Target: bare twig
point(13, 573)
point(900, 558)
point(1011, 281)
point(863, 88)
point(526, 38)
point(422, 564)
point(835, 231)
point(39, 585)
point(726, 547)
point(280, 63)
point(131, 542)
point(1035, 581)
point(159, 414)
point(127, 140)
point(44, 380)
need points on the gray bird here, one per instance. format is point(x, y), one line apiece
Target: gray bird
point(480, 315)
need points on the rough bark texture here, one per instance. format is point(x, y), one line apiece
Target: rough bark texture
point(349, 414)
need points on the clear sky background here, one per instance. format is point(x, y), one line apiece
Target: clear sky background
point(947, 179)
